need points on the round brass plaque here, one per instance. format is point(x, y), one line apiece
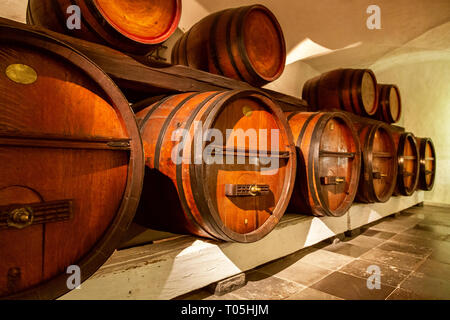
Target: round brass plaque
point(21, 73)
point(247, 111)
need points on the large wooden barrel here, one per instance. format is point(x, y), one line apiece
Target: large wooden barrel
point(427, 163)
point(127, 25)
point(235, 188)
point(71, 169)
point(379, 166)
point(329, 162)
point(389, 103)
point(408, 164)
point(244, 43)
point(352, 90)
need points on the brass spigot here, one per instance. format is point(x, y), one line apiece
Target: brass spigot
point(254, 190)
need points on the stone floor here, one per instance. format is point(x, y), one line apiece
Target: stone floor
point(411, 250)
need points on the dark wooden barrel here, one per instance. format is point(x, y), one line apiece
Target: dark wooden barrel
point(408, 164)
point(329, 162)
point(244, 43)
point(379, 166)
point(389, 103)
point(239, 189)
point(127, 25)
point(352, 90)
point(71, 165)
point(427, 163)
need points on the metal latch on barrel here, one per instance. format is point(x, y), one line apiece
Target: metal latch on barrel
point(21, 216)
point(379, 175)
point(246, 190)
point(332, 180)
point(407, 174)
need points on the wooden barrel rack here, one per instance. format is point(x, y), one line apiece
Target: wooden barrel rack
point(329, 161)
point(351, 90)
point(236, 201)
point(75, 160)
point(379, 166)
point(128, 25)
point(427, 163)
point(390, 103)
point(245, 44)
point(72, 165)
point(408, 164)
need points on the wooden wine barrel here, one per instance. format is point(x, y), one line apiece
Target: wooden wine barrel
point(227, 189)
point(408, 164)
point(127, 25)
point(329, 162)
point(427, 163)
point(71, 169)
point(379, 166)
point(389, 104)
point(352, 90)
point(244, 43)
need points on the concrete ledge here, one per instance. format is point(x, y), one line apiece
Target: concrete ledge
point(437, 204)
point(173, 267)
point(360, 214)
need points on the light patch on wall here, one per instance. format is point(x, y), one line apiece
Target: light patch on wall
point(305, 49)
point(424, 81)
point(308, 48)
point(14, 10)
point(192, 13)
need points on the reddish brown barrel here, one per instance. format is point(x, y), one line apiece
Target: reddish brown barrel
point(427, 163)
point(408, 164)
point(127, 25)
point(235, 188)
point(71, 169)
point(352, 90)
point(244, 43)
point(379, 165)
point(390, 104)
point(329, 163)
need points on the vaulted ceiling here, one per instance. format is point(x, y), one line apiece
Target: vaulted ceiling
point(327, 34)
point(333, 33)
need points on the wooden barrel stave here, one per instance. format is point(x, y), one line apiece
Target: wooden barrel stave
point(130, 26)
point(244, 43)
point(327, 147)
point(351, 90)
point(427, 171)
point(203, 209)
point(66, 130)
point(379, 165)
point(389, 105)
point(408, 164)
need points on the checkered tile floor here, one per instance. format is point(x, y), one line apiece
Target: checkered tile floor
point(411, 250)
